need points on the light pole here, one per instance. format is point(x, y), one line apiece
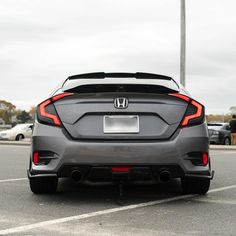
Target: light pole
point(182, 42)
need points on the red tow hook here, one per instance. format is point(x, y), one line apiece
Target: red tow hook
point(120, 169)
point(120, 173)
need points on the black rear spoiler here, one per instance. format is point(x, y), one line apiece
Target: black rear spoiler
point(137, 75)
point(102, 75)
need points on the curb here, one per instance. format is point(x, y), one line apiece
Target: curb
point(223, 147)
point(16, 143)
point(27, 143)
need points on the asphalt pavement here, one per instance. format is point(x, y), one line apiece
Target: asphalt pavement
point(97, 210)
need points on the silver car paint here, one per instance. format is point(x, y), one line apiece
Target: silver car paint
point(171, 150)
point(70, 151)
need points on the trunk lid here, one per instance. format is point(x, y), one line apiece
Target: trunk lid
point(83, 115)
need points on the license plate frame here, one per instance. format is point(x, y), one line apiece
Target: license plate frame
point(120, 124)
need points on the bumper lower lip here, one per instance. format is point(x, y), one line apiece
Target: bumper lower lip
point(150, 173)
point(40, 175)
point(211, 176)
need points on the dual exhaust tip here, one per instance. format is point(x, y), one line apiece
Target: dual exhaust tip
point(76, 175)
point(164, 176)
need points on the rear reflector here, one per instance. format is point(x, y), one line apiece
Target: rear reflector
point(120, 169)
point(36, 158)
point(205, 159)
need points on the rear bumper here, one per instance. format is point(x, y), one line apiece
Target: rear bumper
point(215, 140)
point(68, 152)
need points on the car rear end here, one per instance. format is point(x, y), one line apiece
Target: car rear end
point(219, 133)
point(120, 127)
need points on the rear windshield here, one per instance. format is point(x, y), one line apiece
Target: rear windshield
point(19, 126)
point(111, 88)
point(215, 126)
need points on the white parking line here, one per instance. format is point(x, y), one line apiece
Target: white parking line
point(14, 146)
point(103, 212)
point(222, 189)
point(222, 152)
point(216, 201)
point(11, 180)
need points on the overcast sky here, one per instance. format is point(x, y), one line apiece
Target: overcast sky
point(44, 41)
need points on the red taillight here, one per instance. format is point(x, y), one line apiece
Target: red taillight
point(36, 158)
point(120, 169)
point(60, 96)
point(194, 113)
point(181, 96)
point(197, 114)
point(43, 113)
point(205, 159)
point(46, 110)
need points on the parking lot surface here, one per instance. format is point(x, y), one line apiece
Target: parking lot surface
point(97, 210)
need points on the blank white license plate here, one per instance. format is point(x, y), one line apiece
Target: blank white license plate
point(119, 124)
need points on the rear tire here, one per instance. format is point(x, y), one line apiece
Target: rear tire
point(195, 185)
point(19, 137)
point(226, 141)
point(43, 185)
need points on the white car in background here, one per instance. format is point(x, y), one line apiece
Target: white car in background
point(19, 132)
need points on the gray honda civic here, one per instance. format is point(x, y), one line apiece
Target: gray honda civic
point(121, 128)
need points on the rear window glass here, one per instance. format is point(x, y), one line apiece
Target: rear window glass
point(215, 126)
point(132, 88)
